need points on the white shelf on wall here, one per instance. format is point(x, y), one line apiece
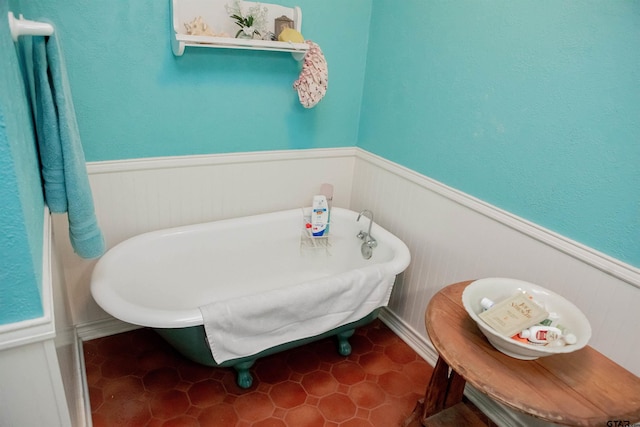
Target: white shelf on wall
point(214, 14)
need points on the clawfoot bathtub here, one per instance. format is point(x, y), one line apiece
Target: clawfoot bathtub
point(164, 279)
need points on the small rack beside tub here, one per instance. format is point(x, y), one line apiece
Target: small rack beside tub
point(310, 244)
point(213, 13)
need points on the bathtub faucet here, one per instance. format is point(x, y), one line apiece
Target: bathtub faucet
point(366, 237)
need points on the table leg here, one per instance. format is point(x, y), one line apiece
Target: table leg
point(455, 392)
point(436, 395)
point(445, 389)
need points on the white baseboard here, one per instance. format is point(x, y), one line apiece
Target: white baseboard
point(82, 387)
point(103, 328)
point(409, 335)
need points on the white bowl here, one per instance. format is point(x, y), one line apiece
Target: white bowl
point(497, 289)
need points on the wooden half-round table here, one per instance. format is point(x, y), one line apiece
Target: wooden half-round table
point(582, 388)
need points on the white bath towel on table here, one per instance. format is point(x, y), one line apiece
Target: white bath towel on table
point(247, 325)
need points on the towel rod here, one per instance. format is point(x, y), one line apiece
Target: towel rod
point(24, 27)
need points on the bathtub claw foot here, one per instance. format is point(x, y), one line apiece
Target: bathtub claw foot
point(244, 378)
point(344, 348)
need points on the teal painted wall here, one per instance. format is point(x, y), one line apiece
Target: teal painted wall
point(21, 204)
point(532, 106)
point(135, 99)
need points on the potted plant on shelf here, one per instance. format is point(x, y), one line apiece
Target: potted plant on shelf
point(251, 22)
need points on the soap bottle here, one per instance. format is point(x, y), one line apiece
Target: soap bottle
point(540, 334)
point(486, 303)
point(567, 336)
point(327, 191)
point(319, 215)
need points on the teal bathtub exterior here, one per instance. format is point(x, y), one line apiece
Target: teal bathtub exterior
point(192, 343)
point(163, 279)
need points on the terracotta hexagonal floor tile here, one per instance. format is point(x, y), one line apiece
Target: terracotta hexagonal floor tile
point(381, 336)
point(115, 345)
point(288, 394)
point(117, 366)
point(327, 350)
point(303, 361)
point(169, 404)
point(272, 370)
point(206, 393)
point(193, 372)
point(95, 397)
point(387, 415)
point(93, 373)
point(319, 383)
point(161, 379)
point(124, 388)
point(155, 359)
point(337, 407)
point(348, 372)
point(360, 344)
point(146, 382)
point(305, 415)
point(395, 383)
point(357, 422)
point(375, 363)
point(271, 422)
point(419, 372)
point(253, 407)
point(90, 350)
point(219, 415)
point(367, 395)
point(155, 422)
point(182, 421)
point(400, 352)
point(124, 412)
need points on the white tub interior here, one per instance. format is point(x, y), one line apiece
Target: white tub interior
point(159, 279)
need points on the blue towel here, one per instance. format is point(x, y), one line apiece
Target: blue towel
point(66, 184)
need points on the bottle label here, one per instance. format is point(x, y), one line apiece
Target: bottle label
point(546, 335)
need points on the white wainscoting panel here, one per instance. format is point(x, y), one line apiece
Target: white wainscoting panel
point(67, 346)
point(32, 392)
point(135, 196)
point(454, 237)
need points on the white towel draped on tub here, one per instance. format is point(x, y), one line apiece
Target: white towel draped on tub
point(247, 325)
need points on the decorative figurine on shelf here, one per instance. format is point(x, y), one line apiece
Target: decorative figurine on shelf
point(252, 22)
point(269, 36)
point(198, 27)
point(282, 23)
point(290, 35)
